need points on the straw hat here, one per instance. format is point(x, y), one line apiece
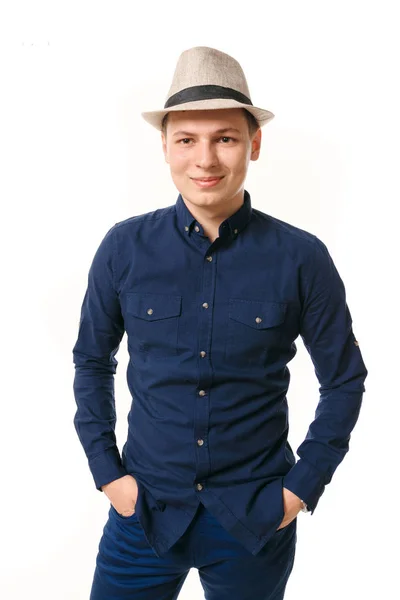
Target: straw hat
point(206, 78)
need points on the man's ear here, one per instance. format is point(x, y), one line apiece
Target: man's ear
point(164, 146)
point(256, 145)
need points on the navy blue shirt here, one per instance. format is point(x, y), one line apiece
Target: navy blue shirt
point(210, 330)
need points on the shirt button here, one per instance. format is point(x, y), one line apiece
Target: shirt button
point(205, 305)
point(209, 258)
point(199, 487)
point(149, 311)
point(200, 442)
point(258, 320)
point(202, 354)
point(202, 393)
point(186, 228)
point(235, 231)
point(197, 228)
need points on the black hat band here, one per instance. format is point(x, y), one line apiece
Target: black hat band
point(206, 92)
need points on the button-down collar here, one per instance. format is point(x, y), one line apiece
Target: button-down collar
point(233, 224)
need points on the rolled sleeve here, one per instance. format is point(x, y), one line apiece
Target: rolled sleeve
point(101, 329)
point(327, 332)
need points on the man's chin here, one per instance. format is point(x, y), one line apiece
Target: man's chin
point(202, 196)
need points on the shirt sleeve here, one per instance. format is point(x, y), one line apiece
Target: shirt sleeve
point(327, 333)
point(101, 329)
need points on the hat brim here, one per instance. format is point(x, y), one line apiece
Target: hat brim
point(155, 117)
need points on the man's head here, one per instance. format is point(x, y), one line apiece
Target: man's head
point(194, 147)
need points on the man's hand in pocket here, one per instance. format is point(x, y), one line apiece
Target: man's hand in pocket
point(122, 493)
point(292, 506)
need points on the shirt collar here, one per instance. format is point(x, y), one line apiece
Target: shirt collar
point(233, 224)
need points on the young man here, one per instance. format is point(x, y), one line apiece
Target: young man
point(212, 294)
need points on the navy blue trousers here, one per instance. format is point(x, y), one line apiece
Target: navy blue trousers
point(127, 566)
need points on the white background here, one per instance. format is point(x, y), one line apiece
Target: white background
point(76, 157)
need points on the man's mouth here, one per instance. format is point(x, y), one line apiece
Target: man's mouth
point(207, 178)
point(206, 181)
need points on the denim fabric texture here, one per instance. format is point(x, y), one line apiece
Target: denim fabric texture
point(210, 330)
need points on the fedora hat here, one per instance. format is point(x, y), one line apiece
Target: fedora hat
point(204, 79)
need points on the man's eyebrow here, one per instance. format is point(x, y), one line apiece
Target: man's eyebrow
point(217, 131)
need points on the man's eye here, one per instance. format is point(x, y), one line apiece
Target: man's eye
point(224, 137)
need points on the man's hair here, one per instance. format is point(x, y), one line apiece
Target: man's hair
point(252, 123)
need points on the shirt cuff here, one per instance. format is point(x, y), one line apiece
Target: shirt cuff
point(306, 482)
point(106, 467)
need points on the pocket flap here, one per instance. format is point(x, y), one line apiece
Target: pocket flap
point(257, 314)
point(152, 307)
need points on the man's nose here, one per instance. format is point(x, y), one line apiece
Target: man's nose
point(206, 155)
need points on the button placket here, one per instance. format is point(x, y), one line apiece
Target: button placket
point(202, 407)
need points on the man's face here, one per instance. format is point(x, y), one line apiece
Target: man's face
point(195, 148)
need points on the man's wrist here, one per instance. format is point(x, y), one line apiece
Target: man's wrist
point(304, 507)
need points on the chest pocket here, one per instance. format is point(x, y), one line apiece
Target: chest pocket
point(152, 323)
point(255, 330)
